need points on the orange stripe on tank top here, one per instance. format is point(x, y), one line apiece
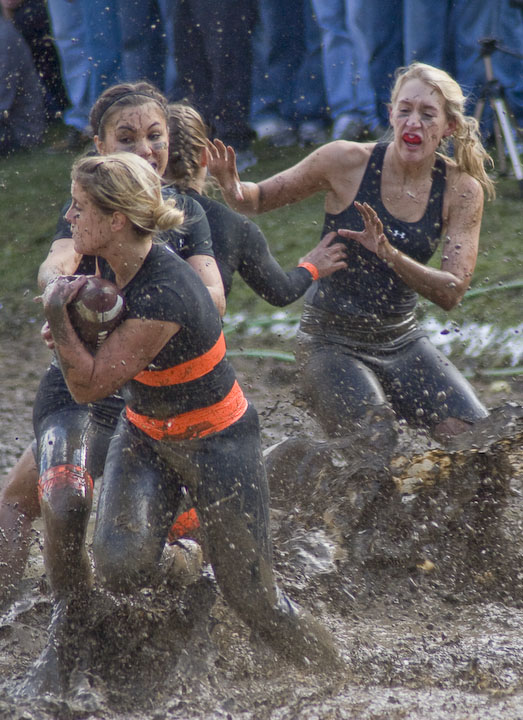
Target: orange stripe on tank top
point(187, 371)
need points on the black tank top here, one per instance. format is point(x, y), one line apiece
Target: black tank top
point(368, 286)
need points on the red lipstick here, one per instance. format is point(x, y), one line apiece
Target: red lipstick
point(411, 139)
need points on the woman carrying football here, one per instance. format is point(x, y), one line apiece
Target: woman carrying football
point(186, 420)
point(71, 438)
point(132, 117)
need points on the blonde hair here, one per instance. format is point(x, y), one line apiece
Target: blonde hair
point(468, 154)
point(188, 135)
point(126, 183)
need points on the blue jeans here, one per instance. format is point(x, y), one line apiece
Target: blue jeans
point(147, 29)
point(213, 44)
point(143, 46)
point(167, 11)
point(385, 38)
point(346, 58)
point(87, 37)
point(507, 28)
point(287, 64)
point(446, 34)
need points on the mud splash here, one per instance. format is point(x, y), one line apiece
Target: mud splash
point(422, 585)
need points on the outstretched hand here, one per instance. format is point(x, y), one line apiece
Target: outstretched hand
point(327, 257)
point(372, 237)
point(221, 163)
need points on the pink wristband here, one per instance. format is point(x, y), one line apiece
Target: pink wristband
point(311, 268)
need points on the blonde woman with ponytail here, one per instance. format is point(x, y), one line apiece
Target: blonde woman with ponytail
point(361, 351)
point(186, 422)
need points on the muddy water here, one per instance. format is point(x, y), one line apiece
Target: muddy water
point(420, 641)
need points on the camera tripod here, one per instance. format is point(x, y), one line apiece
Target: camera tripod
point(504, 133)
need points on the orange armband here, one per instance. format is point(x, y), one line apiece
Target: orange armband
point(311, 268)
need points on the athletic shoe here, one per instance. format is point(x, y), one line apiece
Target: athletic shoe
point(182, 561)
point(276, 131)
point(346, 128)
point(245, 159)
point(269, 127)
point(312, 132)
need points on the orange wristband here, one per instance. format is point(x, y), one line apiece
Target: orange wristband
point(311, 268)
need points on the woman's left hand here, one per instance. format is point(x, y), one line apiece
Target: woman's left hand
point(372, 237)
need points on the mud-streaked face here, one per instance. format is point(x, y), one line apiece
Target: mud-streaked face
point(89, 225)
point(419, 120)
point(141, 130)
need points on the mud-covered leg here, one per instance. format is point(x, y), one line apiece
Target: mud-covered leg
point(233, 500)
point(138, 499)
point(343, 394)
point(65, 490)
point(18, 509)
point(66, 497)
point(64, 665)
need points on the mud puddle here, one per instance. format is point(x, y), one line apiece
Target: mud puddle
point(434, 633)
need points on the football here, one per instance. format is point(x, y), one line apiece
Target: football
point(96, 311)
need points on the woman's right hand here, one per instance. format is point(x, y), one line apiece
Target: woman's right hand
point(58, 294)
point(327, 257)
point(221, 163)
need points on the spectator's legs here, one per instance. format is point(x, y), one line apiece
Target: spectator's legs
point(87, 37)
point(143, 41)
point(346, 66)
point(69, 35)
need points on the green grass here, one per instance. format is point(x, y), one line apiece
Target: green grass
point(33, 189)
point(34, 186)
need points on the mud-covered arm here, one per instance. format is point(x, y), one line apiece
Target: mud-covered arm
point(193, 243)
point(313, 174)
point(262, 272)
point(207, 269)
point(62, 259)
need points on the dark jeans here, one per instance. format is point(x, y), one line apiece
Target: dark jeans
point(213, 48)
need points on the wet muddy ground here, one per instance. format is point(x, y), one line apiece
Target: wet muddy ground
point(423, 591)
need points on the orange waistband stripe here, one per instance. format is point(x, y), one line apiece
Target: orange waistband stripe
point(195, 423)
point(187, 371)
point(61, 476)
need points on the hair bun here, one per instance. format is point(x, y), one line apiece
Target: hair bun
point(166, 215)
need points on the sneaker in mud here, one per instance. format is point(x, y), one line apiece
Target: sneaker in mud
point(312, 132)
point(182, 561)
point(347, 128)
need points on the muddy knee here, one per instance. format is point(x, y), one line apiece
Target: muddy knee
point(66, 497)
point(66, 494)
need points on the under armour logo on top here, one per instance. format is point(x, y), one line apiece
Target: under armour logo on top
point(398, 234)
